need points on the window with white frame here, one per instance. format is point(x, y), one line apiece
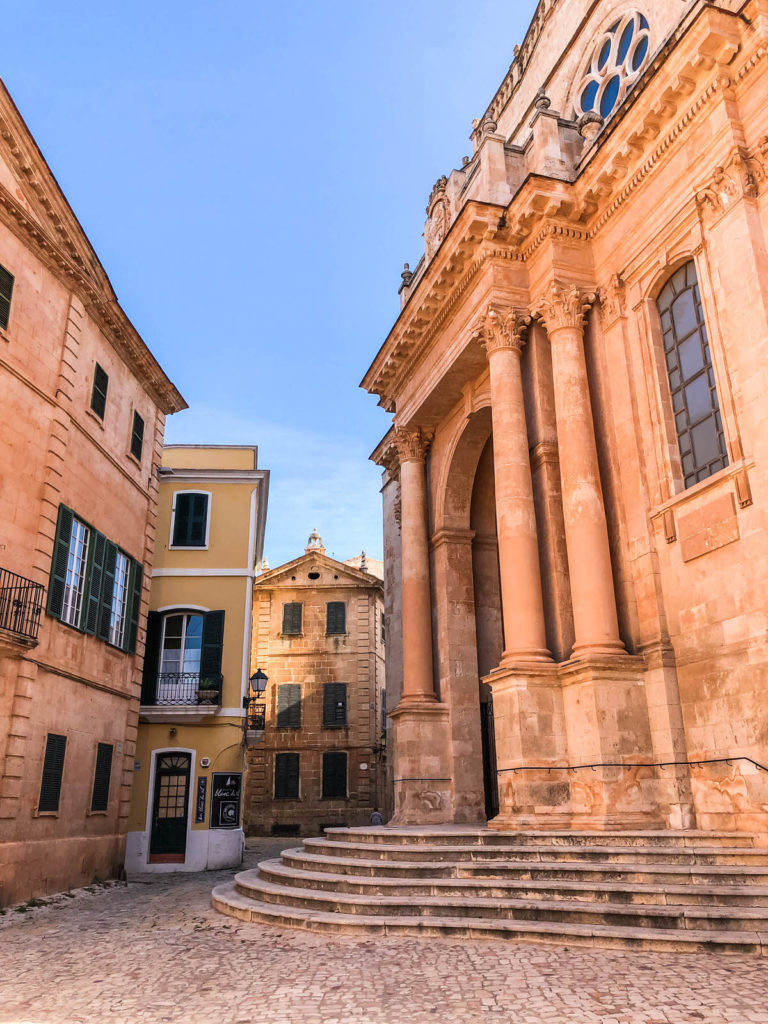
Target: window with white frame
point(190, 519)
point(74, 585)
point(118, 611)
point(617, 61)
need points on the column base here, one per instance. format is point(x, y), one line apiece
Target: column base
point(423, 770)
point(534, 655)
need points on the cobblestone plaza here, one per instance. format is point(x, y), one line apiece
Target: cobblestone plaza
point(154, 951)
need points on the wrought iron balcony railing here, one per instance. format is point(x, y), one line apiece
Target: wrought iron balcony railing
point(180, 689)
point(21, 604)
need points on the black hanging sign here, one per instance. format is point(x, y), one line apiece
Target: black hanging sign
point(202, 786)
point(225, 799)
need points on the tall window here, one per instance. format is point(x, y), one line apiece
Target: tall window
point(286, 776)
point(101, 777)
point(119, 605)
point(289, 706)
point(183, 657)
point(334, 775)
point(75, 580)
point(190, 520)
point(334, 705)
point(182, 643)
point(99, 391)
point(137, 436)
point(292, 617)
point(335, 617)
point(6, 290)
point(53, 770)
point(695, 404)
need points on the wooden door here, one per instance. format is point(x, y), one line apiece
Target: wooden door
point(170, 808)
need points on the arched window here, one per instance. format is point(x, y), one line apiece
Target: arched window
point(616, 63)
point(691, 378)
point(182, 657)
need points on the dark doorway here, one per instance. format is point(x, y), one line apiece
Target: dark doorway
point(170, 809)
point(490, 779)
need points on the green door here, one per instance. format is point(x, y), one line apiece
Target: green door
point(170, 807)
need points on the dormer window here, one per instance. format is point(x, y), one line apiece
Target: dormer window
point(616, 63)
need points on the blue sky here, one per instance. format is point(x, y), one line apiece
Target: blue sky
point(253, 176)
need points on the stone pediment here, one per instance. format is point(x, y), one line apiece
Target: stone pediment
point(331, 573)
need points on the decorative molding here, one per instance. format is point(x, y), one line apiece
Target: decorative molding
point(613, 300)
point(412, 445)
point(564, 306)
point(545, 453)
point(503, 328)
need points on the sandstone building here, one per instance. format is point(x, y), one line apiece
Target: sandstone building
point(84, 406)
point(576, 480)
point(318, 633)
point(187, 792)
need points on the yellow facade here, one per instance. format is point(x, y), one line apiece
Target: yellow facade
point(185, 810)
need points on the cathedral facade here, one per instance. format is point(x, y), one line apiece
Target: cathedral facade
point(576, 478)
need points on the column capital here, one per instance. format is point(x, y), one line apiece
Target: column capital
point(411, 445)
point(563, 305)
point(502, 327)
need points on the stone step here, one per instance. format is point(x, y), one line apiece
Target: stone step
point(602, 891)
point(228, 900)
point(626, 915)
point(594, 871)
point(701, 855)
point(468, 836)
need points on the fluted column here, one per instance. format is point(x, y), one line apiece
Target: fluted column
point(586, 532)
point(418, 673)
point(503, 336)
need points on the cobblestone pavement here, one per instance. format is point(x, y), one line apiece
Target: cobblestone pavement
point(154, 951)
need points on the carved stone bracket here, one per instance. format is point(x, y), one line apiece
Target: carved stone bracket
point(502, 327)
point(613, 300)
point(563, 306)
point(741, 176)
point(412, 445)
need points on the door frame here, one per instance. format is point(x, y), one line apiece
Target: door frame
point(151, 790)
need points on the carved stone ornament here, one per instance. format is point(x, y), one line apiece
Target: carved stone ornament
point(503, 328)
point(613, 299)
point(437, 225)
point(563, 306)
point(412, 445)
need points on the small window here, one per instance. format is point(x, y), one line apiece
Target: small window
point(99, 391)
point(334, 775)
point(334, 705)
point(137, 436)
point(53, 769)
point(101, 777)
point(289, 706)
point(335, 617)
point(6, 290)
point(695, 404)
point(286, 776)
point(292, 618)
point(190, 520)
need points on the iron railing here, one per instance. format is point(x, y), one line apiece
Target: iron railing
point(180, 689)
point(21, 604)
point(257, 716)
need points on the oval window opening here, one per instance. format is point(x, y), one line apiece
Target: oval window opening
point(314, 575)
point(610, 95)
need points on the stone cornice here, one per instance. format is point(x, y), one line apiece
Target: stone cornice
point(53, 233)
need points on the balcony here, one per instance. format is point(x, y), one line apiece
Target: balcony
point(180, 696)
point(21, 605)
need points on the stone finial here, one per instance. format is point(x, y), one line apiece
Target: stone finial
point(563, 306)
point(315, 544)
point(465, 160)
point(363, 562)
point(265, 564)
point(590, 125)
point(542, 101)
point(488, 126)
point(407, 274)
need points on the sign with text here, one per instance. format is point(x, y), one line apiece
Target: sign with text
point(202, 787)
point(225, 799)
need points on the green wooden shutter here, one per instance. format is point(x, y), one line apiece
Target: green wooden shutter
point(335, 617)
point(213, 643)
point(6, 290)
point(286, 776)
point(151, 658)
point(334, 705)
point(99, 391)
point(133, 606)
point(292, 617)
point(59, 561)
point(334, 775)
point(53, 769)
point(107, 590)
point(190, 520)
point(101, 777)
point(94, 578)
point(137, 436)
point(289, 706)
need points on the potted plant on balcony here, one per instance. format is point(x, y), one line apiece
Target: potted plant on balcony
point(208, 690)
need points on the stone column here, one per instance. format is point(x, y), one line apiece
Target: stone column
point(418, 673)
point(521, 595)
point(589, 561)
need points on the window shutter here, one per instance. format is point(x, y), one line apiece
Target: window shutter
point(101, 777)
point(151, 658)
point(334, 705)
point(53, 769)
point(383, 628)
point(289, 706)
point(292, 617)
point(59, 561)
point(94, 577)
point(137, 436)
point(334, 775)
point(335, 617)
point(286, 776)
point(190, 520)
point(133, 606)
point(107, 589)
point(6, 290)
point(99, 391)
point(213, 642)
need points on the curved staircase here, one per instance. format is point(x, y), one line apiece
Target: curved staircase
point(664, 891)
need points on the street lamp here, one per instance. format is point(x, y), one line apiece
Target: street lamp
point(255, 708)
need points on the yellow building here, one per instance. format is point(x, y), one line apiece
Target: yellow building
point(185, 809)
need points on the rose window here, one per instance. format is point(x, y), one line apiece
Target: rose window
point(616, 63)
